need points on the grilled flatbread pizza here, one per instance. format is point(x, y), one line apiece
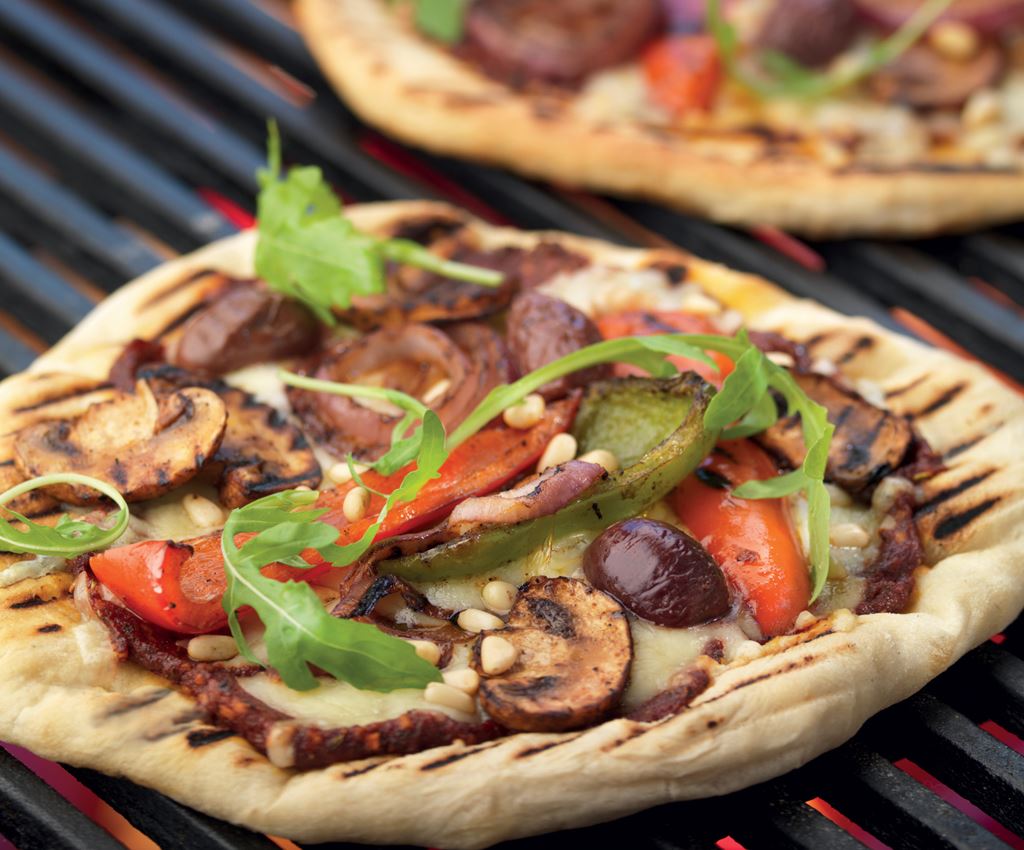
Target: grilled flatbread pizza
point(535, 528)
point(824, 117)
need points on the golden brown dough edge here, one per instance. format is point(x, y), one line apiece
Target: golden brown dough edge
point(62, 696)
point(418, 93)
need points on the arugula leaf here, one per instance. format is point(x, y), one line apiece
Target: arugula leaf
point(309, 251)
point(441, 19)
point(788, 78)
point(299, 632)
point(69, 537)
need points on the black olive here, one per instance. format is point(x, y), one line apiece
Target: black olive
point(657, 572)
point(811, 31)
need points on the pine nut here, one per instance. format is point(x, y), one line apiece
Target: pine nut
point(983, 107)
point(441, 694)
point(436, 392)
point(202, 511)
point(887, 491)
point(497, 655)
point(357, 501)
point(499, 596)
point(603, 458)
point(849, 534)
point(304, 488)
point(427, 650)
point(561, 449)
point(466, 680)
point(280, 746)
point(341, 474)
point(748, 650)
point(474, 620)
point(527, 413)
point(212, 648)
point(805, 619)
point(955, 40)
point(781, 358)
point(823, 366)
point(838, 496)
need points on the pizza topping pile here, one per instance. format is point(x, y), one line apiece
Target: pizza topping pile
point(542, 516)
point(841, 80)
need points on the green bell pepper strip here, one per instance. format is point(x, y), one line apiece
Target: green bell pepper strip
point(673, 425)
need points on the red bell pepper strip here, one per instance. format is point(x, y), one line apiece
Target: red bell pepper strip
point(648, 323)
point(753, 541)
point(683, 72)
point(179, 585)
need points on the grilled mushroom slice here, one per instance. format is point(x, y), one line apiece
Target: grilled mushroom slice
point(261, 453)
point(574, 654)
point(869, 442)
point(142, 445)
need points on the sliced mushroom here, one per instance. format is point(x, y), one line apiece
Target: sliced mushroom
point(31, 504)
point(261, 453)
point(574, 654)
point(868, 444)
point(141, 444)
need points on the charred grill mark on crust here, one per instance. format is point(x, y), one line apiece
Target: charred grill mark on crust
point(935, 501)
point(960, 448)
point(906, 388)
point(635, 732)
point(6, 463)
point(459, 756)
point(862, 343)
point(33, 601)
point(359, 771)
point(550, 745)
point(956, 522)
point(203, 737)
point(133, 703)
point(64, 396)
point(940, 401)
point(49, 628)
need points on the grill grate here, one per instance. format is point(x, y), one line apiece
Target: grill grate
point(121, 119)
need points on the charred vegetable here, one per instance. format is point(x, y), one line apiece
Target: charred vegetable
point(244, 324)
point(573, 653)
point(261, 453)
point(657, 458)
point(143, 445)
point(869, 442)
point(657, 572)
point(925, 79)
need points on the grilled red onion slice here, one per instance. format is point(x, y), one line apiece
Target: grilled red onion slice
point(986, 16)
point(541, 496)
point(419, 360)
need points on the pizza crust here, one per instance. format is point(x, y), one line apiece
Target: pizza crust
point(417, 92)
point(63, 696)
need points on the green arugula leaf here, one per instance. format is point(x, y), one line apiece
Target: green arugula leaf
point(788, 78)
point(441, 19)
point(759, 418)
point(299, 632)
point(741, 390)
point(69, 537)
point(309, 251)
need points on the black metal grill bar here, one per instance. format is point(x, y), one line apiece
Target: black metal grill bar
point(46, 290)
point(169, 824)
point(196, 58)
point(967, 759)
point(117, 80)
point(997, 258)
point(33, 815)
point(897, 809)
point(930, 281)
point(77, 222)
point(58, 124)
